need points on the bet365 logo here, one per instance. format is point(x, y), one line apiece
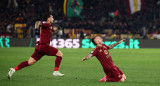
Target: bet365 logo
point(6, 42)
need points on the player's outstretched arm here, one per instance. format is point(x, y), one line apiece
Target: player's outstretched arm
point(87, 57)
point(121, 41)
point(113, 45)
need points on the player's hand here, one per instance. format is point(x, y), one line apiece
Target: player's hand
point(83, 59)
point(51, 27)
point(121, 41)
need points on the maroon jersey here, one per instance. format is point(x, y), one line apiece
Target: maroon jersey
point(45, 33)
point(103, 56)
point(113, 73)
point(43, 47)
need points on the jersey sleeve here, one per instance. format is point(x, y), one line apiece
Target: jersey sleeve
point(94, 52)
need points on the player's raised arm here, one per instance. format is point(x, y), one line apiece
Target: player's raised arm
point(37, 24)
point(87, 57)
point(113, 45)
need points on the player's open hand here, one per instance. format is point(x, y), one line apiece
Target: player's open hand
point(121, 41)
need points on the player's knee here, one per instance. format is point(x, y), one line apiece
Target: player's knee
point(124, 77)
point(122, 80)
point(59, 54)
point(31, 61)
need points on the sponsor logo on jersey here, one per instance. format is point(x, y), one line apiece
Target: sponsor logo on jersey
point(92, 51)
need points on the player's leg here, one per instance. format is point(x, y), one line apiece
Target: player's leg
point(110, 79)
point(58, 60)
point(33, 59)
point(20, 66)
point(113, 75)
point(117, 75)
point(105, 78)
point(55, 52)
point(122, 80)
point(123, 75)
point(119, 70)
point(114, 79)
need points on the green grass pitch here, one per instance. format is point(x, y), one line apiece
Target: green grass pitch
point(141, 67)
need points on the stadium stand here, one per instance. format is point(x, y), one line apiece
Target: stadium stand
point(144, 24)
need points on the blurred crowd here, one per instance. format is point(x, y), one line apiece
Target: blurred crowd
point(26, 11)
point(95, 16)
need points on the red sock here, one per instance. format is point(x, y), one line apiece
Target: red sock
point(21, 65)
point(57, 63)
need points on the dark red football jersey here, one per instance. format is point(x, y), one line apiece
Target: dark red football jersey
point(103, 56)
point(45, 33)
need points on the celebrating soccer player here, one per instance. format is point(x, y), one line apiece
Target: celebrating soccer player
point(113, 73)
point(42, 48)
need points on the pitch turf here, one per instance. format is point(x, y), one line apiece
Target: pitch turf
point(141, 66)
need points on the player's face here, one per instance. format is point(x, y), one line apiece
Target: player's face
point(51, 19)
point(99, 40)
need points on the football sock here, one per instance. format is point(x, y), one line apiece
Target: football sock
point(57, 63)
point(21, 65)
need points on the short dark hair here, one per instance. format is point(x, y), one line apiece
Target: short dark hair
point(93, 40)
point(46, 16)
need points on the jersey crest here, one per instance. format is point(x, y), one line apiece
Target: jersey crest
point(106, 52)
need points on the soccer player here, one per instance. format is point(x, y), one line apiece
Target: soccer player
point(113, 73)
point(42, 48)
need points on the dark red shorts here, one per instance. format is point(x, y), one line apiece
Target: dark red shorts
point(43, 49)
point(113, 74)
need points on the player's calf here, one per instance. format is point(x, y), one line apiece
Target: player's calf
point(57, 64)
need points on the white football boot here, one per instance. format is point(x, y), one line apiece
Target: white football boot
point(57, 73)
point(10, 73)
